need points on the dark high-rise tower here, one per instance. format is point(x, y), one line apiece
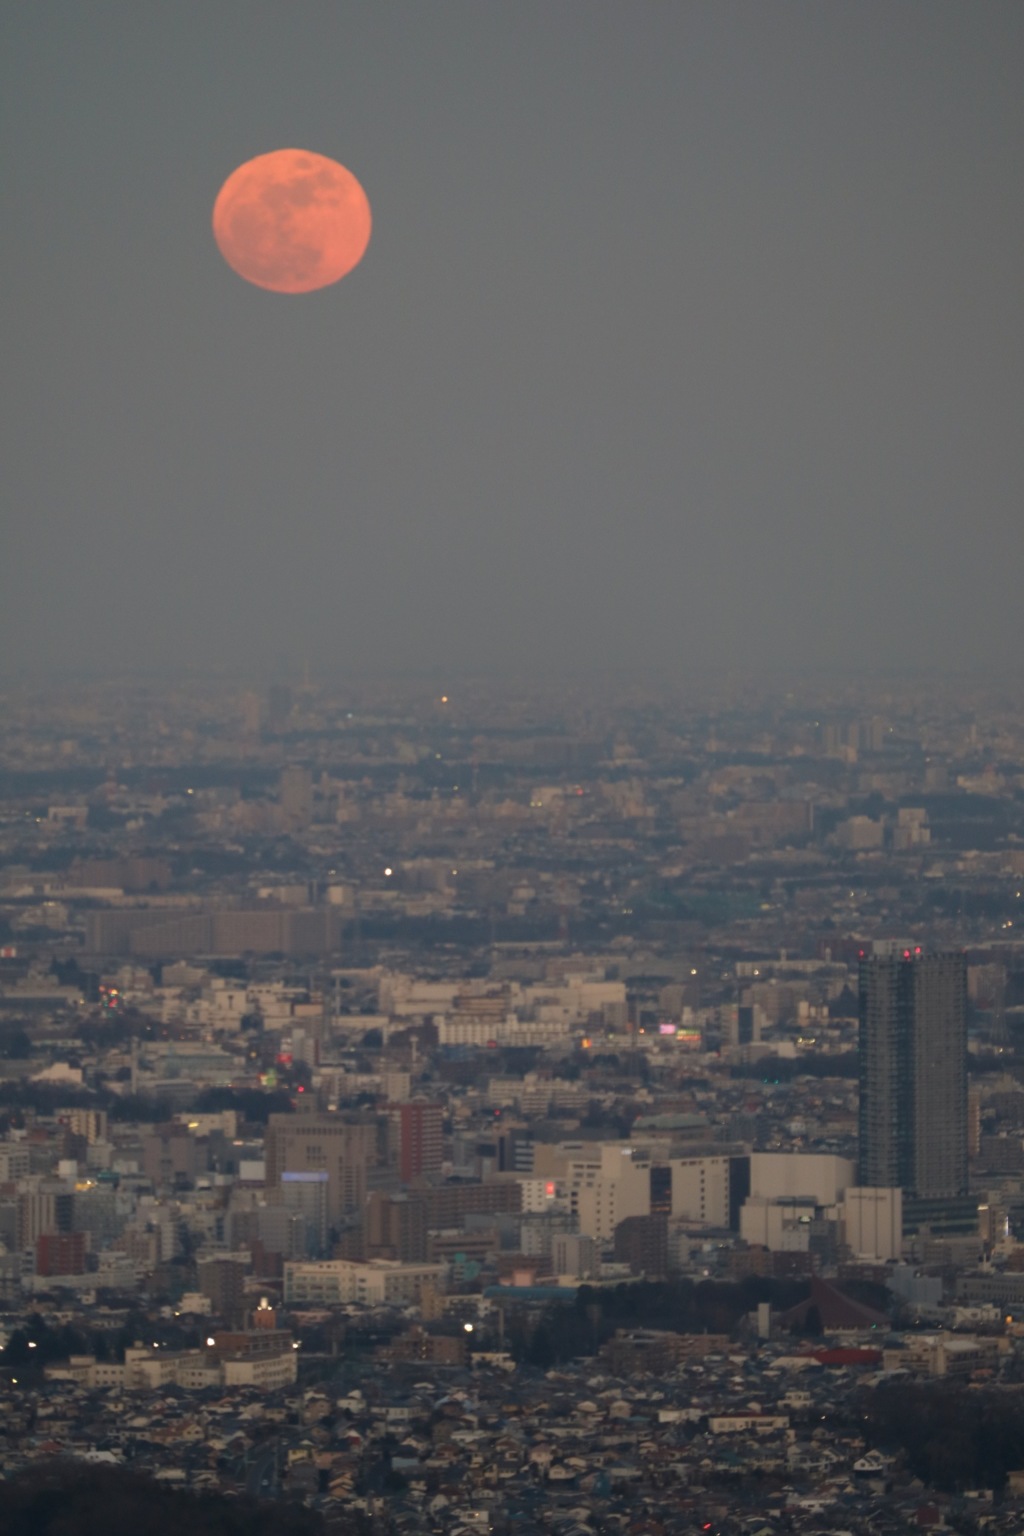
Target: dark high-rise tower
point(913, 1073)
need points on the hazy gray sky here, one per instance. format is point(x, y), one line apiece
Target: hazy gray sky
point(688, 335)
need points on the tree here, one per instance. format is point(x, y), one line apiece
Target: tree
point(542, 1347)
point(15, 1044)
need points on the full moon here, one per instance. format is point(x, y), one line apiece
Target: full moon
point(291, 221)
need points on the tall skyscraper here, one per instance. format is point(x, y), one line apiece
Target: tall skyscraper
point(913, 1073)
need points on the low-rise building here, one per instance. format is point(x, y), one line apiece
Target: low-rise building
point(377, 1282)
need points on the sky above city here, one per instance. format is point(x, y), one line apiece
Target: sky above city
point(689, 337)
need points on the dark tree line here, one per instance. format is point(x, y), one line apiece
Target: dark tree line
point(63, 1498)
point(783, 1069)
point(952, 1437)
point(39, 1341)
point(253, 1104)
point(561, 1332)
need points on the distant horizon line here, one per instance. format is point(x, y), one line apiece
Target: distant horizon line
point(297, 677)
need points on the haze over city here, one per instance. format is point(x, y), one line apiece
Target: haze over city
point(688, 337)
point(512, 769)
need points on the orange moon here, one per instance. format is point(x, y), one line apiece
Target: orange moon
point(291, 221)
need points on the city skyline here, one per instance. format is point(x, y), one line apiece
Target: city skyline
point(364, 1052)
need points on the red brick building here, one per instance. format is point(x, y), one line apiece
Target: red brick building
point(60, 1253)
point(415, 1139)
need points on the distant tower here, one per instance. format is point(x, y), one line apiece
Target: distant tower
point(251, 708)
point(913, 1073)
point(279, 706)
point(296, 796)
